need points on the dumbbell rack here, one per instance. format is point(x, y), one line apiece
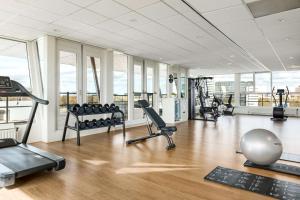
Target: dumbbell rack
point(77, 128)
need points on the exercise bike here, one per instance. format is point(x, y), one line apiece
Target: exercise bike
point(279, 109)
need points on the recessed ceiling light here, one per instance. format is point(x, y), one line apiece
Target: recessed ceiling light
point(232, 56)
point(160, 58)
point(56, 30)
point(291, 57)
point(287, 39)
point(281, 20)
point(229, 63)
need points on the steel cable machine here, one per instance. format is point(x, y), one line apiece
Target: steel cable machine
point(279, 109)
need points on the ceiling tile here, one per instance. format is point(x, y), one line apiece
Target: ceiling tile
point(157, 11)
point(43, 15)
point(112, 25)
point(87, 17)
point(82, 3)
point(133, 19)
point(108, 8)
point(210, 5)
point(228, 15)
point(27, 22)
point(136, 4)
point(60, 7)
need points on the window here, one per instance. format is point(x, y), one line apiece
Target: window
point(93, 80)
point(120, 81)
point(14, 63)
point(67, 79)
point(247, 83)
point(150, 77)
point(223, 86)
point(290, 79)
point(163, 79)
point(262, 82)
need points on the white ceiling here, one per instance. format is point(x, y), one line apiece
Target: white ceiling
point(166, 30)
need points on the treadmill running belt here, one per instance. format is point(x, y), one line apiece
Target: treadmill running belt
point(24, 162)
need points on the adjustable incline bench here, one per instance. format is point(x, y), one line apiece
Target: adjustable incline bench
point(151, 114)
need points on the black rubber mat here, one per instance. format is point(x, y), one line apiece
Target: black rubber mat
point(277, 167)
point(285, 157)
point(255, 183)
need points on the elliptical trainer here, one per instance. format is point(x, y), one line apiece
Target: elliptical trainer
point(279, 109)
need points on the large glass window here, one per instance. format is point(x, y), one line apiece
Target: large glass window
point(14, 63)
point(120, 81)
point(67, 79)
point(263, 82)
point(247, 83)
point(163, 79)
point(93, 79)
point(290, 79)
point(223, 86)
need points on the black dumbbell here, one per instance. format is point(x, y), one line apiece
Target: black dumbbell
point(98, 123)
point(94, 122)
point(112, 107)
point(106, 107)
point(96, 108)
point(81, 125)
point(102, 108)
point(87, 108)
point(77, 109)
point(88, 124)
point(101, 121)
point(117, 109)
point(108, 121)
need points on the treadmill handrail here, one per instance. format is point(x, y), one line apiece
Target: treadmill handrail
point(24, 90)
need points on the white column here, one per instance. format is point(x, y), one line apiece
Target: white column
point(130, 86)
point(108, 77)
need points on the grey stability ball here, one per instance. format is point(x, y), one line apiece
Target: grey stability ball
point(261, 146)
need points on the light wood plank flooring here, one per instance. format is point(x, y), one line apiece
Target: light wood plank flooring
point(103, 167)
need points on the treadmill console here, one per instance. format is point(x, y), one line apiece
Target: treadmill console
point(5, 82)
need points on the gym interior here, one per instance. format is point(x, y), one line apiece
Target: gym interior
point(149, 99)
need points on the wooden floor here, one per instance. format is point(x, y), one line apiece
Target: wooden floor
point(105, 168)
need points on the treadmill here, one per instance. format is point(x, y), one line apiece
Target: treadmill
point(20, 159)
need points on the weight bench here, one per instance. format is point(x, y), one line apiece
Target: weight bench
point(158, 122)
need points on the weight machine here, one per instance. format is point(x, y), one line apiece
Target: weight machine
point(199, 97)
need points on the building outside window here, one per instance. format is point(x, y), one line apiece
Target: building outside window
point(14, 63)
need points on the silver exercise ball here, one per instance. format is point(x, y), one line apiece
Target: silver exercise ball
point(261, 146)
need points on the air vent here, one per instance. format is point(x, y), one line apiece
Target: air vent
point(268, 7)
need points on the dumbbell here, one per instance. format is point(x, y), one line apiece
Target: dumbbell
point(117, 109)
point(98, 123)
point(76, 108)
point(81, 125)
point(106, 107)
point(94, 122)
point(101, 121)
point(87, 108)
point(96, 108)
point(102, 108)
point(88, 124)
point(108, 121)
point(112, 107)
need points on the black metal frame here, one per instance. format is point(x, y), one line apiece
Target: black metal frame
point(151, 134)
point(77, 129)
